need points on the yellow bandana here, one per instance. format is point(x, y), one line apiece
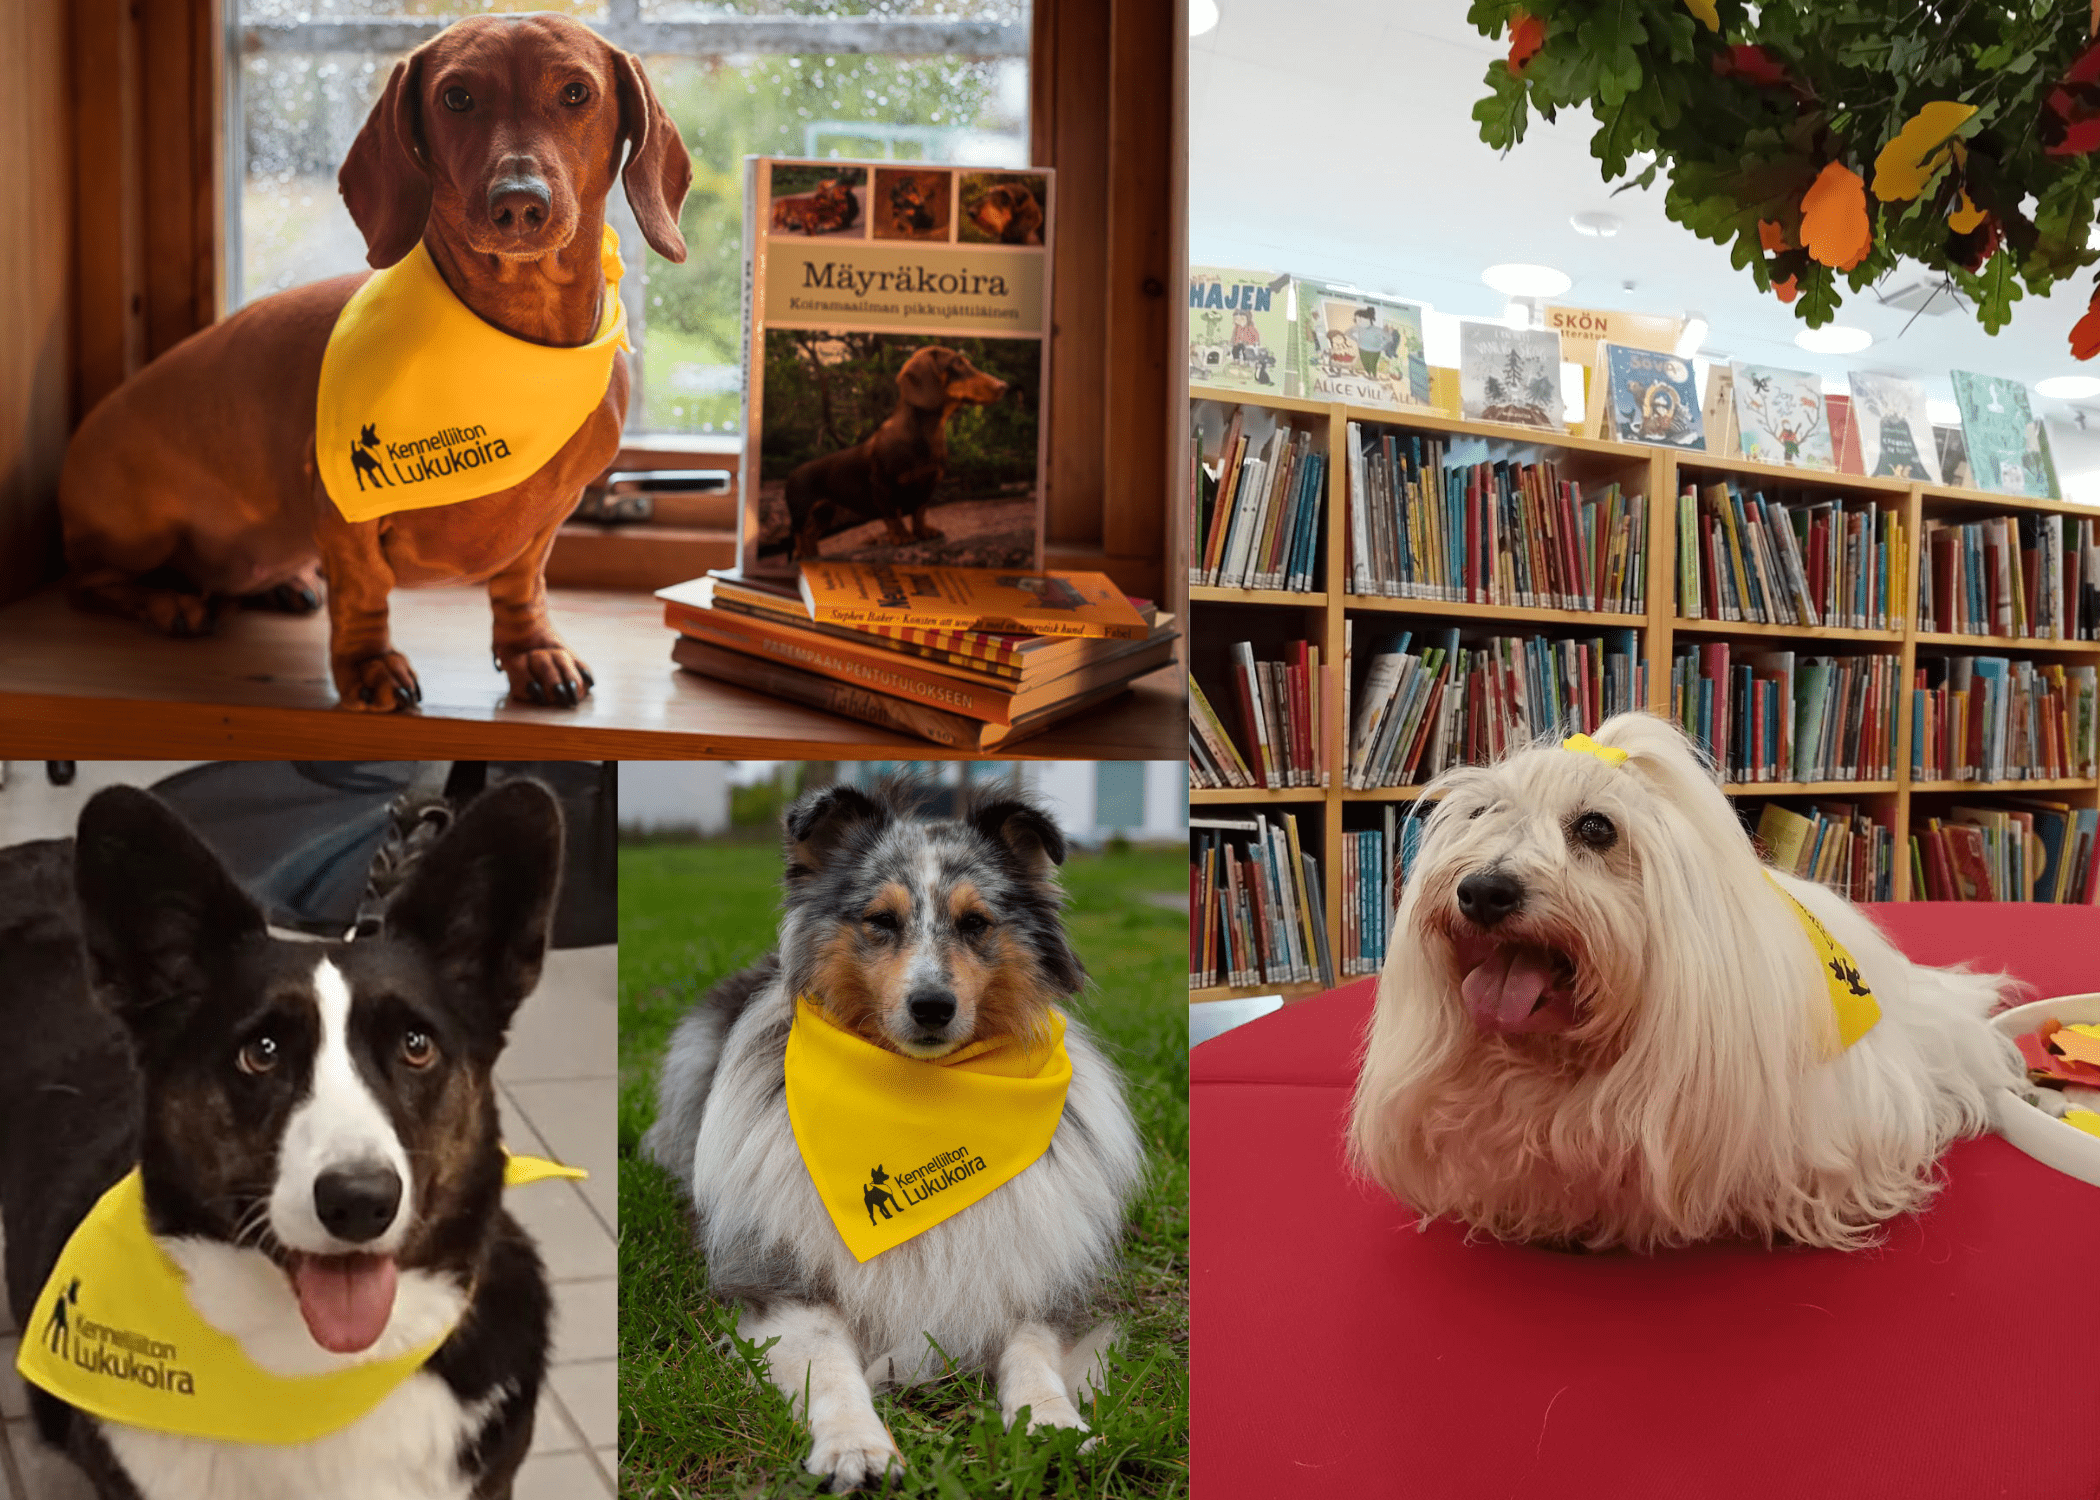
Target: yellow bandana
point(114, 1333)
point(1855, 1005)
point(422, 403)
point(895, 1144)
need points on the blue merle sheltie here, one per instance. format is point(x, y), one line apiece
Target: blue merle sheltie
point(315, 1127)
point(921, 935)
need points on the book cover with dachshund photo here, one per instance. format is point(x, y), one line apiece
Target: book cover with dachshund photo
point(894, 407)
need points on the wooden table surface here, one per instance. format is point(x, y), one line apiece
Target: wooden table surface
point(78, 686)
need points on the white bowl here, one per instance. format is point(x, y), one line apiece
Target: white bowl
point(2042, 1136)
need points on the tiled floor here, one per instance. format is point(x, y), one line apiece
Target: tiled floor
point(558, 1100)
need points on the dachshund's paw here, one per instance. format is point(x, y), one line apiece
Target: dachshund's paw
point(296, 596)
point(549, 675)
point(854, 1458)
point(924, 533)
point(178, 614)
point(381, 684)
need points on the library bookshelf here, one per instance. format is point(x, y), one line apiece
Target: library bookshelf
point(1219, 616)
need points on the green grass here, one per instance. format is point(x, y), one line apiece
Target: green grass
point(696, 1417)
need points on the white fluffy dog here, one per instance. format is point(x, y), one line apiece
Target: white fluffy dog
point(1603, 1022)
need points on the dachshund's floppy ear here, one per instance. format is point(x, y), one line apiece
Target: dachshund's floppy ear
point(384, 181)
point(658, 171)
point(924, 378)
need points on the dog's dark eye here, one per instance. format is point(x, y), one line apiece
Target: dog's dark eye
point(258, 1055)
point(1476, 812)
point(882, 921)
point(458, 100)
point(575, 93)
point(973, 923)
point(1595, 831)
point(417, 1049)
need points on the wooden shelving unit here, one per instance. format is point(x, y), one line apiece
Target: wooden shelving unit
point(1657, 474)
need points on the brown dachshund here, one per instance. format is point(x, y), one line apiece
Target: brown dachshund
point(496, 144)
point(892, 473)
point(826, 209)
point(1010, 214)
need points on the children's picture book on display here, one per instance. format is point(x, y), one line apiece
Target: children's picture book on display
point(1509, 375)
point(1239, 329)
point(1355, 347)
point(896, 323)
point(2008, 452)
point(1781, 417)
point(1648, 397)
point(1894, 427)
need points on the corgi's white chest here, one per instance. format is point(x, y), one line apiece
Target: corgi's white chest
point(406, 1448)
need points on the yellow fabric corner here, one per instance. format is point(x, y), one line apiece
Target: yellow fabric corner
point(894, 1144)
point(519, 1171)
point(424, 404)
point(1851, 1000)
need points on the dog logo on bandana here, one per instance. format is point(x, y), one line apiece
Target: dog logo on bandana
point(875, 1196)
point(57, 1333)
point(363, 462)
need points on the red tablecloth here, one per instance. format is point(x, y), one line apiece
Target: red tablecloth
point(1337, 1350)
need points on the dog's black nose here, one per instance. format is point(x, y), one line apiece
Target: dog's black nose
point(357, 1203)
point(518, 204)
point(1487, 896)
point(932, 1009)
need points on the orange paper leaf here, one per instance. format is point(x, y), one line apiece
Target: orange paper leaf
point(1966, 217)
point(1787, 290)
point(2085, 333)
point(1919, 150)
point(1772, 236)
point(1527, 33)
point(1834, 225)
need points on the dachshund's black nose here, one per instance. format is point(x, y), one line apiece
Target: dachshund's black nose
point(519, 203)
point(1487, 896)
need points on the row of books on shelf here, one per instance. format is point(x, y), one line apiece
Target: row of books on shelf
point(971, 658)
point(2036, 851)
point(1254, 516)
point(1257, 915)
point(1837, 844)
point(1425, 708)
point(1281, 708)
point(1375, 865)
point(1787, 716)
point(1771, 562)
point(1992, 718)
point(1493, 532)
point(2036, 576)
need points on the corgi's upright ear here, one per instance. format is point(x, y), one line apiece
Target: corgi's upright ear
point(160, 918)
point(480, 903)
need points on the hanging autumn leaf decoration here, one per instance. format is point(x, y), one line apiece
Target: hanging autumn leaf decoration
point(1526, 35)
point(2085, 333)
point(1863, 138)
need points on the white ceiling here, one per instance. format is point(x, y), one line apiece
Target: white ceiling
point(1335, 139)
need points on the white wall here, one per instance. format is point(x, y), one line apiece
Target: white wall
point(674, 795)
point(32, 808)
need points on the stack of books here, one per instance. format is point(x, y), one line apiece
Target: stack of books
point(1767, 562)
point(1783, 716)
point(2037, 851)
point(1374, 870)
point(1990, 718)
point(2028, 576)
point(971, 658)
point(1255, 516)
point(1256, 915)
point(1487, 533)
point(1834, 844)
point(1278, 712)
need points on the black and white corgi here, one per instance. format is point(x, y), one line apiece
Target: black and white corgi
point(922, 937)
point(315, 1130)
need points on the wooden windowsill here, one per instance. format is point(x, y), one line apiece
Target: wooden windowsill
point(78, 686)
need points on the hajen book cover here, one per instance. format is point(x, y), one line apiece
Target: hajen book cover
point(1357, 348)
point(1782, 417)
point(896, 322)
point(2007, 451)
point(1654, 398)
point(1895, 428)
point(1509, 375)
point(1239, 329)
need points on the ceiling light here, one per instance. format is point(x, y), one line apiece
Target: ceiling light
point(1833, 339)
point(1596, 226)
point(1517, 280)
point(1203, 16)
point(1694, 335)
point(2068, 387)
point(1942, 413)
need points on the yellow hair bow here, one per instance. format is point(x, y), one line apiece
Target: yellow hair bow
point(1582, 744)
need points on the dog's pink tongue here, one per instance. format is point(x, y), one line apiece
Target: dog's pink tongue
point(345, 1299)
point(1503, 990)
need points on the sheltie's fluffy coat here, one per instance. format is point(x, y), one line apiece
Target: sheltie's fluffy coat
point(888, 913)
point(1601, 1025)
